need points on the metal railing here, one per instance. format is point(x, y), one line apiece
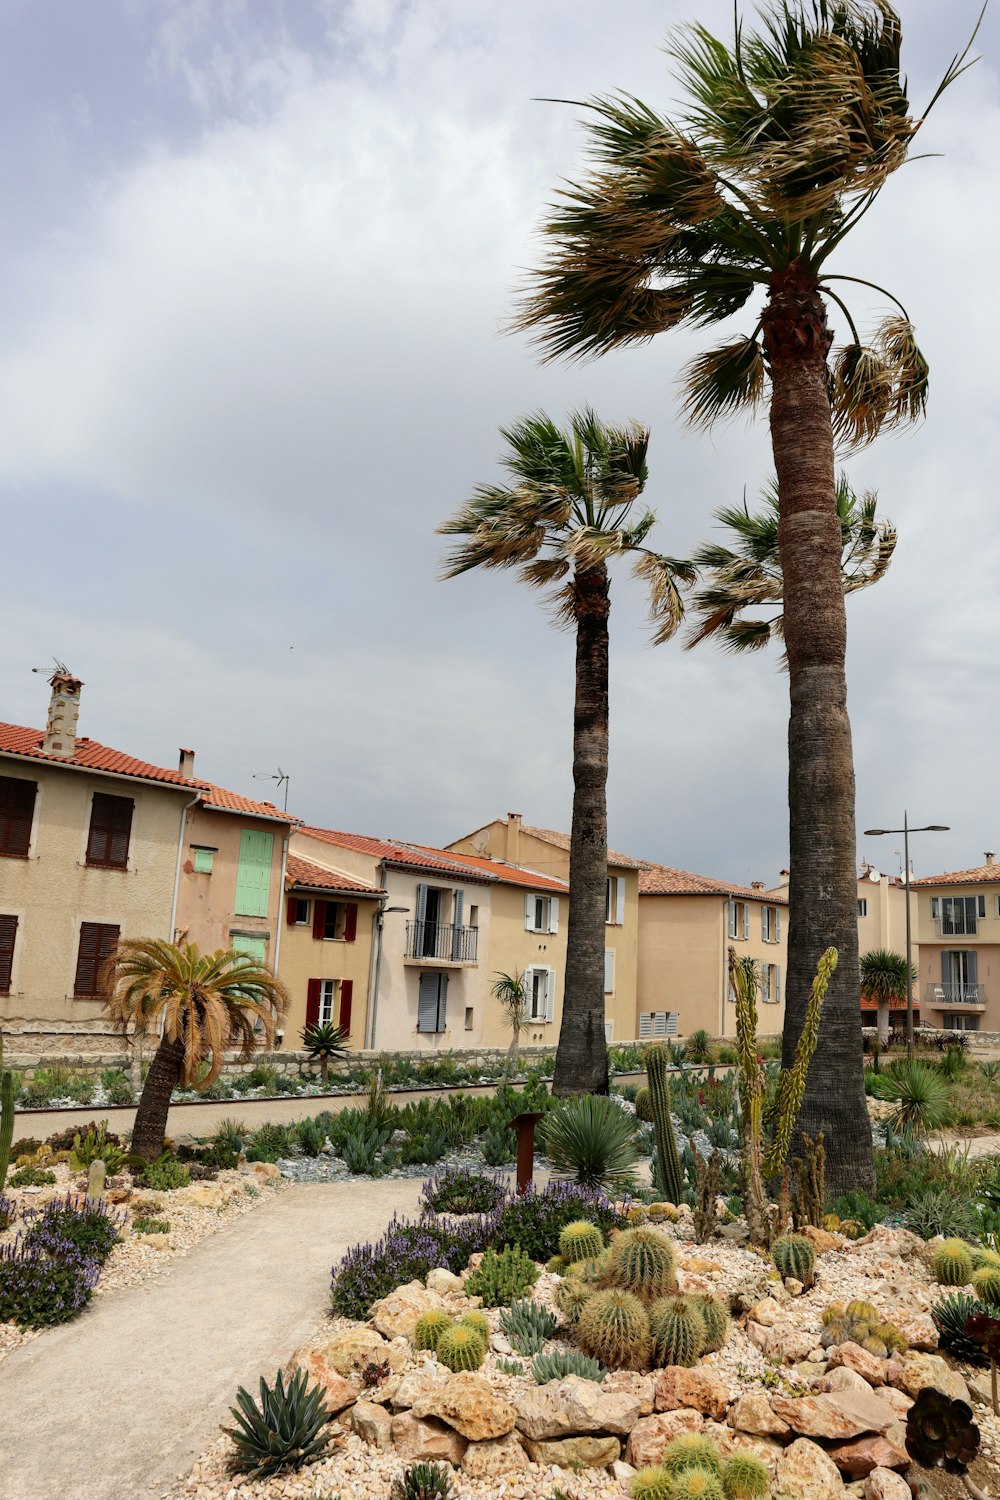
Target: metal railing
point(955, 994)
point(442, 940)
point(958, 924)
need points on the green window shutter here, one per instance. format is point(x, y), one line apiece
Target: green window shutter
point(256, 947)
point(253, 877)
point(203, 861)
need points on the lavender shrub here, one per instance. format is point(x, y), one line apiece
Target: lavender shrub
point(91, 1228)
point(39, 1287)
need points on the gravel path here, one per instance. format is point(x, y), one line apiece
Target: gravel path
point(119, 1403)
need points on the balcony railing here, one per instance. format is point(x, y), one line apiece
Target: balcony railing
point(442, 941)
point(955, 994)
point(959, 924)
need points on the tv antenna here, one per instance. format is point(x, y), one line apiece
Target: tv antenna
point(280, 776)
point(57, 666)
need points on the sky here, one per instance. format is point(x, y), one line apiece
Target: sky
point(256, 262)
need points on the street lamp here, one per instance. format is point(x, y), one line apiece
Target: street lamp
point(379, 923)
point(906, 830)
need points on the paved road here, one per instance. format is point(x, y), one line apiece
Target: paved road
point(117, 1404)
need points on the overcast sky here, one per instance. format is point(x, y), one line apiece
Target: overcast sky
point(256, 258)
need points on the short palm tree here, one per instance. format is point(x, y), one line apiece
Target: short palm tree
point(509, 992)
point(744, 577)
point(744, 196)
point(323, 1040)
point(884, 979)
point(205, 1003)
point(565, 513)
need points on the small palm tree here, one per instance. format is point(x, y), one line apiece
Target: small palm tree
point(205, 1003)
point(566, 512)
point(324, 1040)
point(509, 991)
point(884, 979)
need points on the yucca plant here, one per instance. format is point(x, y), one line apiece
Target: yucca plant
point(592, 1141)
point(322, 1041)
point(922, 1096)
point(421, 1482)
point(285, 1431)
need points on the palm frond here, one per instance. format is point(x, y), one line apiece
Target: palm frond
point(544, 571)
point(667, 578)
point(880, 386)
point(724, 381)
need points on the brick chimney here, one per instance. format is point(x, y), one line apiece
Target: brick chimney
point(991, 857)
point(512, 844)
point(185, 765)
point(64, 711)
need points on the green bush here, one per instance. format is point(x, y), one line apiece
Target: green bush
point(164, 1174)
point(32, 1177)
point(500, 1279)
point(97, 1145)
point(498, 1146)
point(92, 1230)
point(144, 1225)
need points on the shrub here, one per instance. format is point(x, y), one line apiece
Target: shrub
point(938, 1211)
point(91, 1229)
point(699, 1047)
point(461, 1347)
point(642, 1260)
point(498, 1146)
point(953, 1263)
point(32, 1177)
point(528, 1325)
point(592, 1141)
point(26, 1146)
point(406, 1252)
point(677, 1329)
point(38, 1290)
point(613, 1328)
point(284, 1432)
point(97, 1145)
point(272, 1143)
point(499, 1279)
point(7, 1212)
point(164, 1174)
point(536, 1219)
point(546, 1367)
point(922, 1095)
point(461, 1191)
point(230, 1136)
point(794, 1256)
point(858, 1205)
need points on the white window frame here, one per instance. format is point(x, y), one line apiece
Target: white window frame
point(327, 1001)
point(540, 1002)
point(770, 984)
point(541, 913)
point(862, 906)
point(614, 905)
point(739, 928)
point(770, 924)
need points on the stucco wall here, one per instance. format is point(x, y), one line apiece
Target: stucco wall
point(206, 903)
point(513, 949)
point(304, 957)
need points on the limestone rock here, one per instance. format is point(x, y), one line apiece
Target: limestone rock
point(398, 1314)
point(700, 1389)
point(494, 1456)
point(787, 1343)
point(898, 1400)
point(623, 1472)
point(757, 1334)
point(838, 1416)
point(417, 1383)
point(468, 1403)
point(858, 1458)
point(416, 1438)
point(575, 1452)
point(752, 1413)
point(154, 1241)
point(268, 1171)
point(767, 1312)
point(350, 1352)
point(640, 1386)
point(338, 1393)
point(567, 1407)
point(920, 1370)
point(805, 1472)
point(843, 1378)
point(204, 1195)
point(917, 1328)
point(650, 1435)
point(443, 1281)
point(851, 1356)
point(883, 1484)
point(821, 1239)
point(372, 1424)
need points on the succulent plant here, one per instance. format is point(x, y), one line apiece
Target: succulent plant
point(691, 1451)
point(950, 1316)
point(678, 1332)
point(876, 1346)
point(580, 1241)
point(715, 1314)
point(528, 1325)
point(643, 1106)
point(662, 1211)
point(745, 1477)
point(794, 1256)
point(546, 1367)
point(421, 1482)
point(461, 1348)
point(835, 1333)
point(499, 1279)
point(652, 1483)
point(982, 1255)
point(510, 1367)
point(952, 1263)
point(942, 1432)
point(860, 1312)
point(590, 1271)
point(987, 1283)
point(613, 1328)
point(557, 1265)
point(285, 1431)
point(642, 1261)
point(479, 1321)
point(835, 1313)
point(430, 1326)
point(571, 1294)
point(697, 1484)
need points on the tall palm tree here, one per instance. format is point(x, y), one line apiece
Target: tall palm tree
point(884, 979)
point(509, 992)
point(206, 1003)
point(787, 139)
point(746, 575)
point(568, 510)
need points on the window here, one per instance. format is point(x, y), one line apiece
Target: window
point(863, 907)
point(614, 909)
point(203, 861)
point(770, 983)
point(432, 1003)
point(17, 809)
point(609, 971)
point(540, 987)
point(739, 919)
point(658, 1023)
point(541, 913)
point(327, 1001)
point(957, 914)
point(246, 942)
point(298, 911)
point(321, 1002)
point(98, 941)
point(469, 1017)
point(253, 875)
point(770, 924)
point(110, 828)
point(473, 916)
point(8, 935)
point(335, 921)
point(609, 1027)
point(961, 1023)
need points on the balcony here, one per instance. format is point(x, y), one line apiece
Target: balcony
point(958, 924)
point(965, 997)
point(440, 943)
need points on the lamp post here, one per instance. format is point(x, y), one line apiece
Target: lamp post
point(906, 830)
point(379, 923)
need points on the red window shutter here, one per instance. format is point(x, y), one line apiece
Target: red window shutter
point(8, 934)
point(110, 830)
point(293, 910)
point(17, 809)
point(312, 1002)
point(319, 918)
point(350, 921)
point(346, 996)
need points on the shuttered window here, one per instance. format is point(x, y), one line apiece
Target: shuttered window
point(253, 875)
point(110, 829)
point(658, 1023)
point(432, 1002)
point(256, 947)
point(98, 941)
point(8, 936)
point(17, 808)
point(346, 1000)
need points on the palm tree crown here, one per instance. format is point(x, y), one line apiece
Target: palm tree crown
point(883, 975)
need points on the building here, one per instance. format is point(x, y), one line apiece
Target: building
point(687, 924)
point(957, 915)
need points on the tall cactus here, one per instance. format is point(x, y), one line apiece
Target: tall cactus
point(669, 1179)
point(6, 1116)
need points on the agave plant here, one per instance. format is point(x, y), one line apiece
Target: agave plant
point(922, 1096)
point(591, 1140)
point(285, 1431)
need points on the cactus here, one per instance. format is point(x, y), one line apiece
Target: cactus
point(580, 1241)
point(613, 1328)
point(571, 1294)
point(668, 1177)
point(875, 1346)
point(837, 1332)
point(653, 1483)
point(794, 1256)
point(697, 1484)
point(589, 1271)
point(678, 1330)
point(499, 1279)
point(95, 1182)
point(6, 1116)
point(429, 1329)
point(708, 1186)
point(478, 1321)
point(835, 1313)
point(642, 1260)
point(953, 1263)
point(461, 1348)
point(715, 1315)
point(987, 1284)
point(745, 1477)
point(546, 1367)
point(981, 1256)
point(557, 1265)
point(809, 1190)
point(643, 1106)
point(691, 1451)
point(860, 1312)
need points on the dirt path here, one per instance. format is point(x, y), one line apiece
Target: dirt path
point(117, 1404)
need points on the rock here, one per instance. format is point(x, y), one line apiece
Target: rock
point(787, 1343)
point(757, 1334)
point(918, 1329)
point(821, 1239)
point(205, 1194)
point(852, 1357)
point(858, 1458)
point(640, 1386)
point(805, 1472)
point(417, 1383)
point(623, 1472)
point(749, 1290)
point(567, 1407)
point(767, 1312)
point(841, 1415)
point(883, 1484)
point(416, 1438)
point(337, 1392)
point(766, 1449)
point(898, 1400)
point(700, 1267)
point(468, 1403)
point(700, 1389)
point(575, 1452)
point(442, 1281)
point(920, 1370)
point(397, 1315)
point(908, 1244)
point(495, 1456)
point(752, 1413)
point(843, 1378)
point(793, 1286)
point(372, 1424)
point(350, 1352)
point(501, 1344)
point(650, 1435)
point(154, 1241)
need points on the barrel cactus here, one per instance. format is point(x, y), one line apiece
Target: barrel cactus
point(691, 1451)
point(794, 1256)
point(613, 1328)
point(571, 1295)
point(643, 1106)
point(590, 1271)
point(745, 1477)
point(557, 1265)
point(479, 1322)
point(981, 1256)
point(461, 1348)
point(987, 1284)
point(429, 1329)
point(715, 1314)
point(580, 1241)
point(860, 1312)
point(952, 1263)
point(678, 1330)
point(697, 1484)
point(653, 1483)
point(642, 1260)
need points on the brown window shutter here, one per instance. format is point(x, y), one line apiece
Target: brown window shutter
point(312, 1002)
point(17, 809)
point(346, 996)
point(8, 935)
point(98, 941)
point(293, 910)
point(110, 829)
point(351, 921)
point(319, 918)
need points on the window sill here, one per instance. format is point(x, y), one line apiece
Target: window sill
point(9, 854)
point(99, 864)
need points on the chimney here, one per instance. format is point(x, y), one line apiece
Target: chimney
point(991, 857)
point(64, 710)
point(756, 885)
point(185, 765)
point(512, 845)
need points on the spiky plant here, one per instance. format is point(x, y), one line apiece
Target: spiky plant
point(952, 1262)
point(590, 1271)
point(922, 1096)
point(987, 1284)
point(652, 1483)
point(591, 1141)
point(499, 1279)
point(461, 1348)
point(429, 1328)
point(715, 1315)
point(422, 1481)
point(697, 1484)
point(951, 1316)
point(324, 1040)
point(571, 1296)
point(692, 1450)
point(479, 1322)
point(285, 1431)
point(557, 1265)
point(745, 1477)
point(677, 1328)
point(546, 1367)
point(613, 1327)
point(528, 1325)
point(794, 1256)
point(669, 1179)
point(860, 1312)
point(643, 1105)
point(642, 1260)
point(580, 1241)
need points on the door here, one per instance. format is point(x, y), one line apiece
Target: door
point(432, 923)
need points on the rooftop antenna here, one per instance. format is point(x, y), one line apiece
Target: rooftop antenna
point(280, 776)
point(57, 666)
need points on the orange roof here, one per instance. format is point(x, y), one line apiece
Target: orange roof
point(222, 800)
point(393, 851)
point(303, 872)
point(507, 874)
point(978, 875)
point(562, 841)
point(664, 880)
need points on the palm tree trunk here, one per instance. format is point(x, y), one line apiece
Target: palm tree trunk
point(582, 1055)
point(823, 886)
point(883, 1022)
point(154, 1104)
point(324, 1070)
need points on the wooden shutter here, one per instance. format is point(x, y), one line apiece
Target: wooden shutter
point(777, 984)
point(427, 1003)
point(456, 930)
point(293, 910)
point(346, 997)
point(442, 1007)
point(312, 1002)
point(731, 918)
point(98, 941)
point(17, 809)
point(529, 912)
point(971, 966)
point(110, 829)
point(8, 935)
point(620, 901)
point(253, 876)
point(350, 921)
point(554, 914)
point(550, 994)
point(319, 918)
point(746, 919)
point(421, 913)
point(777, 924)
point(609, 971)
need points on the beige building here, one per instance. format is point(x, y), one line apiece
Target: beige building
point(330, 924)
point(687, 923)
point(957, 915)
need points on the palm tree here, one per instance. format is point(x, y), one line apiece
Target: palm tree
point(788, 138)
point(205, 1004)
point(884, 979)
point(746, 575)
point(565, 513)
point(509, 991)
point(325, 1040)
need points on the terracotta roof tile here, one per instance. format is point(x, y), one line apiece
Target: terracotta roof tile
point(978, 875)
point(304, 872)
point(664, 880)
point(562, 841)
point(225, 801)
point(393, 851)
point(507, 874)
